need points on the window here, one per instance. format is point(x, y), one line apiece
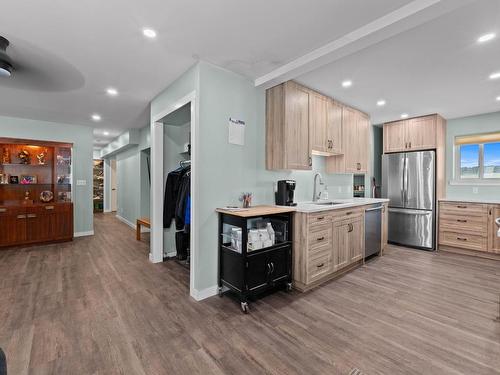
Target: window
point(477, 157)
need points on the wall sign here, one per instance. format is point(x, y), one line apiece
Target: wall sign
point(236, 132)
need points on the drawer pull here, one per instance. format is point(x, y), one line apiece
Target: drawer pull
point(21, 216)
point(31, 216)
point(320, 239)
point(3, 210)
point(49, 207)
point(461, 221)
point(349, 213)
point(461, 239)
point(320, 218)
point(461, 206)
point(320, 265)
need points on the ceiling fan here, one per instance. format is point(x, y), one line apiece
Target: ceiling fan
point(35, 68)
point(5, 61)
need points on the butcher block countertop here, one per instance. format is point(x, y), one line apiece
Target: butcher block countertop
point(256, 211)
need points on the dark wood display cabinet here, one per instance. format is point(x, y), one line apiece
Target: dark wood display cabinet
point(255, 251)
point(35, 192)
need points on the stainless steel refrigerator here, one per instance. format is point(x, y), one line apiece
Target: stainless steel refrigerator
point(409, 182)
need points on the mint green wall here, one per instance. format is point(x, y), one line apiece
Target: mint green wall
point(486, 123)
point(226, 170)
point(82, 139)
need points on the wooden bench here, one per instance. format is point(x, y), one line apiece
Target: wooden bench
point(143, 221)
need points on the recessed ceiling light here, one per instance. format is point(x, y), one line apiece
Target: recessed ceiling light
point(498, 98)
point(381, 103)
point(486, 37)
point(112, 91)
point(347, 83)
point(149, 33)
point(105, 133)
point(404, 115)
point(495, 75)
point(96, 117)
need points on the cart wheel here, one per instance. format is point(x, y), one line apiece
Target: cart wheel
point(288, 287)
point(220, 292)
point(244, 307)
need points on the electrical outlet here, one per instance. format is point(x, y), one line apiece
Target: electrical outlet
point(475, 190)
point(81, 182)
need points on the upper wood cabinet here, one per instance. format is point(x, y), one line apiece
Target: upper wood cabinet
point(318, 115)
point(288, 127)
point(420, 133)
point(355, 144)
point(334, 130)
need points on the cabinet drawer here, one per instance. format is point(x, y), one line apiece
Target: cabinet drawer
point(320, 236)
point(464, 223)
point(463, 240)
point(463, 208)
point(319, 218)
point(319, 268)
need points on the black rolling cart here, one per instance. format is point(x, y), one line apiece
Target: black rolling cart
point(255, 251)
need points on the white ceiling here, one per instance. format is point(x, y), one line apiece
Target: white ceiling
point(437, 67)
point(69, 52)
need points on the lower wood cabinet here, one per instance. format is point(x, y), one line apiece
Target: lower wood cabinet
point(28, 224)
point(467, 226)
point(326, 244)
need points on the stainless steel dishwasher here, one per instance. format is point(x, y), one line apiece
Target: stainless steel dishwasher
point(373, 229)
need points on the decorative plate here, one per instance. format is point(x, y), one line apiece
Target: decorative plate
point(46, 196)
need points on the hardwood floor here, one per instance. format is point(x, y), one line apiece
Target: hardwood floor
point(97, 306)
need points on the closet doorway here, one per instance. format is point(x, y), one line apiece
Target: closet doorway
point(173, 202)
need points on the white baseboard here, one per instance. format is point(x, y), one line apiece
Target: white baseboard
point(153, 260)
point(82, 234)
point(123, 220)
point(107, 210)
point(199, 295)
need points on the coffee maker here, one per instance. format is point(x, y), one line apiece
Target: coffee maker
point(284, 193)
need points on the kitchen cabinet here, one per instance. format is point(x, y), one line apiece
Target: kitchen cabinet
point(420, 133)
point(288, 127)
point(334, 130)
point(318, 115)
point(493, 228)
point(469, 226)
point(327, 244)
point(355, 144)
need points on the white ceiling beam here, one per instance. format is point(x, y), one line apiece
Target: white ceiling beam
point(410, 15)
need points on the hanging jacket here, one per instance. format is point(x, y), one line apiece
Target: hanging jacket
point(172, 186)
point(182, 197)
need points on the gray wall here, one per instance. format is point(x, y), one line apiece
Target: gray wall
point(82, 139)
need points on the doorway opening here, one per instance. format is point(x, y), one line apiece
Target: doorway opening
point(177, 172)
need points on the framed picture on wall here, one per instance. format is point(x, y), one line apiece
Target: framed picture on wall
point(28, 180)
point(13, 179)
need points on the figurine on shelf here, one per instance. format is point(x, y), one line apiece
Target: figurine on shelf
point(41, 157)
point(24, 156)
point(27, 195)
point(5, 156)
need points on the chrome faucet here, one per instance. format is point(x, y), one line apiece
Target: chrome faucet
point(317, 195)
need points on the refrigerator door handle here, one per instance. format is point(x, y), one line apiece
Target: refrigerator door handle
point(410, 212)
point(405, 187)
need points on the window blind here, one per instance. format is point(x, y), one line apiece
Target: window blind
point(477, 138)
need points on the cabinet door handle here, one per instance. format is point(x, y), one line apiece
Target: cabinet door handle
point(409, 145)
point(49, 207)
point(21, 216)
point(461, 206)
point(461, 221)
point(268, 268)
point(358, 166)
point(320, 265)
point(406, 144)
point(3, 210)
point(31, 216)
point(320, 239)
point(310, 161)
point(461, 239)
point(272, 267)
